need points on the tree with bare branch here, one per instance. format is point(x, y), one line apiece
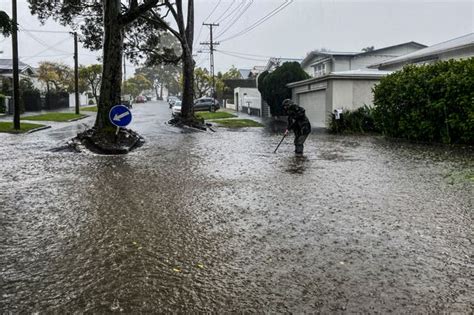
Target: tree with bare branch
point(114, 26)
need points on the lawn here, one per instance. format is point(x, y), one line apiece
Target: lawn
point(54, 117)
point(216, 115)
point(89, 109)
point(237, 123)
point(24, 127)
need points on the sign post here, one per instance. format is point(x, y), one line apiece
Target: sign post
point(120, 116)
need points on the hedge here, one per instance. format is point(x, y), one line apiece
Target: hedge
point(433, 103)
point(2, 104)
point(360, 120)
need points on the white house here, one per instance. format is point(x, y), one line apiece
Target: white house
point(318, 63)
point(320, 96)
point(457, 48)
point(248, 100)
point(25, 71)
point(341, 80)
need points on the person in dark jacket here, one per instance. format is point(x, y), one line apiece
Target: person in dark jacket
point(298, 122)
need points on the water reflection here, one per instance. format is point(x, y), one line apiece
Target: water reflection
point(297, 164)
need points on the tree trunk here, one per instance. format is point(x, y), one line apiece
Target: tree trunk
point(156, 92)
point(187, 34)
point(161, 90)
point(188, 83)
point(110, 88)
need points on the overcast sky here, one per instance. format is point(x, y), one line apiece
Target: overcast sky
point(297, 28)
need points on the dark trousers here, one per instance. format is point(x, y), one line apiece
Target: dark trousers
point(300, 138)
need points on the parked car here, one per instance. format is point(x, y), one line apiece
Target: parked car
point(206, 104)
point(176, 108)
point(172, 100)
point(140, 99)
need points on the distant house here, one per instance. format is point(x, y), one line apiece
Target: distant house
point(457, 48)
point(320, 63)
point(6, 71)
point(341, 80)
point(275, 62)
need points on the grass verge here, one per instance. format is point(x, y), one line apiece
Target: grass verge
point(216, 115)
point(90, 109)
point(54, 117)
point(237, 123)
point(24, 127)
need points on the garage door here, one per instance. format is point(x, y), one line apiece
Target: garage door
point(314, 104)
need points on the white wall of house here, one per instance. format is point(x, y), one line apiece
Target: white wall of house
point(341, 63)
point(342, 94)
point(252, 98)
point(231, 106)
point(83, 99)
point(352, 94)
point(321, 98)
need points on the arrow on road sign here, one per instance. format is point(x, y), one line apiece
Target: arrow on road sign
point(118, 117)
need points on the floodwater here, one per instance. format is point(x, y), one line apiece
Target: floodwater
point(216, 222)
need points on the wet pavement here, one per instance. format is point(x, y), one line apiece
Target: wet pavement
point(215, 222)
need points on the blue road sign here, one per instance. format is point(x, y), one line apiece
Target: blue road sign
point(120, 115)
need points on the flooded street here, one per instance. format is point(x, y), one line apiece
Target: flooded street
point(216, 222)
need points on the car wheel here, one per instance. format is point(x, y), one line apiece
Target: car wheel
point(212, 109)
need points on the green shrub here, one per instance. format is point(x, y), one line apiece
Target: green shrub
point(360, 120)
point(3, 108)
point(433, 103)
point(272, 86)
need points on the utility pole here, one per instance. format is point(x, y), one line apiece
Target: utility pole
point(16, 75)
point(211, 44)
point(124, 70)
point(76, 73)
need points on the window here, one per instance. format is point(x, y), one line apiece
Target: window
point(320, 70)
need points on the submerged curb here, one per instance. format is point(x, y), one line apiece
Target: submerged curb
point(38, 129)
point(79, 118)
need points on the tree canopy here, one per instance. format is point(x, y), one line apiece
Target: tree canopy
point(91, 77)
point(136, 85)
point(6, 24)
point(56, 76)
point(272, 86)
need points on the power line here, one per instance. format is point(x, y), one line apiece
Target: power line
point(49, 48)
point(260, 21)
point(43, 56)
point(241, 57)
point(244, 54)
point(218, 20)
point(219, 2)
point(237, 8)
point(236, 18)
point(45, 31)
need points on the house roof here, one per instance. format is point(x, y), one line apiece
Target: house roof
point(361, 74)
point(7, 64)
point(450, 45)
point(244, 73)
point(277, 61)
point(312, 54)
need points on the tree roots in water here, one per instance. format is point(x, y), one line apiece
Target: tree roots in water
point(108, 142)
